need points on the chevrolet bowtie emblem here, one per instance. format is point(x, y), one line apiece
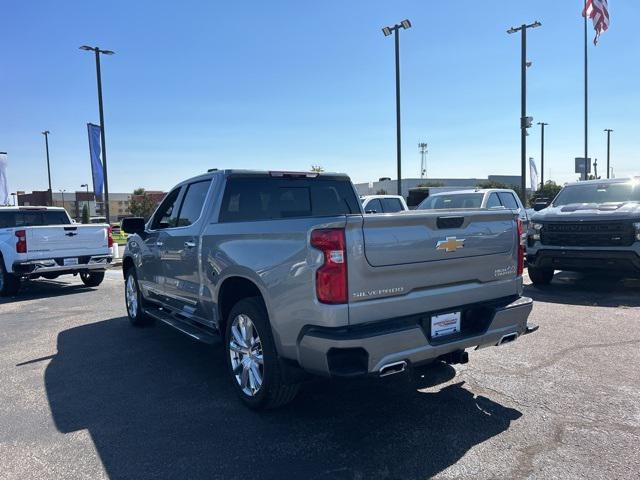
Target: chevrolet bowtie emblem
point(451, 244)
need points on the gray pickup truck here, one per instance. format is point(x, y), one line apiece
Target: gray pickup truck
point(589, 226)
point(298, 281)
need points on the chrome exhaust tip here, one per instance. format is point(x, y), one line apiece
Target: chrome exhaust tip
point(508, 338)
point(392, 368)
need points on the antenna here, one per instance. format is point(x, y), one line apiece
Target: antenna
point(423, 159)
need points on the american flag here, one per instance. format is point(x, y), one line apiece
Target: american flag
point(598, 11)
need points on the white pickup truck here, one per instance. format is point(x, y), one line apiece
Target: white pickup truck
point(44, 242)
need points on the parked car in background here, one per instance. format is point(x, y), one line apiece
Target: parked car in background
point(297, 281)
point(383, 203)
point(491, 198)
point(44, 242)
point(589, 226)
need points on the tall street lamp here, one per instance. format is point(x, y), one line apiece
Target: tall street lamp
point(525, 122)
point(387, 31)
point(97, 52)
point(62, 192)
point(608, 130)
point(46, 143)
point(542, 125)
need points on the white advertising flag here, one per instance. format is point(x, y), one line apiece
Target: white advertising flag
point(4, 190)
point(533, 174)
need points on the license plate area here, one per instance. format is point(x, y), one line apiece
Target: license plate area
point(445, 324)
point(70, 261)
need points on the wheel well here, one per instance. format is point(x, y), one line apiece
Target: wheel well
point(231, 291)
point(127, 263)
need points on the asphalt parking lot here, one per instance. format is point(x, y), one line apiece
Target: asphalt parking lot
point(85, 395)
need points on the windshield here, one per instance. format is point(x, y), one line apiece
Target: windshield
point(455, 200)
point(599, 193)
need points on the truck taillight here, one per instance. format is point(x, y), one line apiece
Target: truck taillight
point(110, 237)
point(521, 246)
point(21, 243)
point(331, 277)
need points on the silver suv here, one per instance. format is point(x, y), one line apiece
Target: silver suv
point(297, 281)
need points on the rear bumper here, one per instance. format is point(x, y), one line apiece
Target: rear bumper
point(584, 260)
point(365, 349)
point(56, 265)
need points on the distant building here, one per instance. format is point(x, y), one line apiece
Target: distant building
point(74, 202)
point(390, 186)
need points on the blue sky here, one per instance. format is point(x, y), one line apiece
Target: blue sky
point(287, 84)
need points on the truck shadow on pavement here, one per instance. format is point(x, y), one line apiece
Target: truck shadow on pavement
point(35, 289)
point(159, 405)
point(570, 288)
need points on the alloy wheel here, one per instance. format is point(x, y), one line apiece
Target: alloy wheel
point(245, 350)
point(131, 292)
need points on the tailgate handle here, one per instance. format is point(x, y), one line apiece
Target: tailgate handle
point(66, 229)
point(450, 222)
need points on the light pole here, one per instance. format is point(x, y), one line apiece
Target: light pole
point(46, 143)
point(608, 130)
point(525, 122)
point(542, 125)
point(86, 185)
point(387, 31)
point(14, 199)
point(62, 192)
point(97, 52)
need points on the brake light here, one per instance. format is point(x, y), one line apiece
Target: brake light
point(21, 244)
point(331, 277)
point(521, 245)
point(109, 237)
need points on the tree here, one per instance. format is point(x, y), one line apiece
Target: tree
point(431, 184)
point(85, 214)
point(493, 184)
point(549, 191)
point(317, 168)
point(382, 191)
point(141, 204)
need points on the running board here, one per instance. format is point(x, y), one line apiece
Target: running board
point(195, 332)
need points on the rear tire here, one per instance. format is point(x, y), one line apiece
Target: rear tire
point(133, 300)
point(9, 283)
point(252, 360)
point(540, 276)
point(92, 279)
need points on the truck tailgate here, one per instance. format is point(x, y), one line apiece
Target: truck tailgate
point(64, 240)
point(418, 262)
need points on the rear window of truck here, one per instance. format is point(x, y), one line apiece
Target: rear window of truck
point(265, 198)
point(32, 218)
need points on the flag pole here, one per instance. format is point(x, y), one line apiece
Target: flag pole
point(586, 94)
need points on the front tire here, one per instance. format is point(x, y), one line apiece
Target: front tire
point(252, 359)
point(92, 279)
point(540, 276)
point(9, 283)
point(133, 299)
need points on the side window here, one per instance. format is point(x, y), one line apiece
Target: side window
point(493, 201)
point(246, 200)
point(374, 206)
point(508, 200)
point(167, 214)
point(192, 203)
point(391, 205)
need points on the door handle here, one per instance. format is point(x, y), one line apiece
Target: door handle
point(189, 244)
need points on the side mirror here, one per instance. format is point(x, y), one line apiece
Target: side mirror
point(540, 206)
point(133, 225)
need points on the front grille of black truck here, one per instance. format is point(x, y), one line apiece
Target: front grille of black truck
point(588, 234)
